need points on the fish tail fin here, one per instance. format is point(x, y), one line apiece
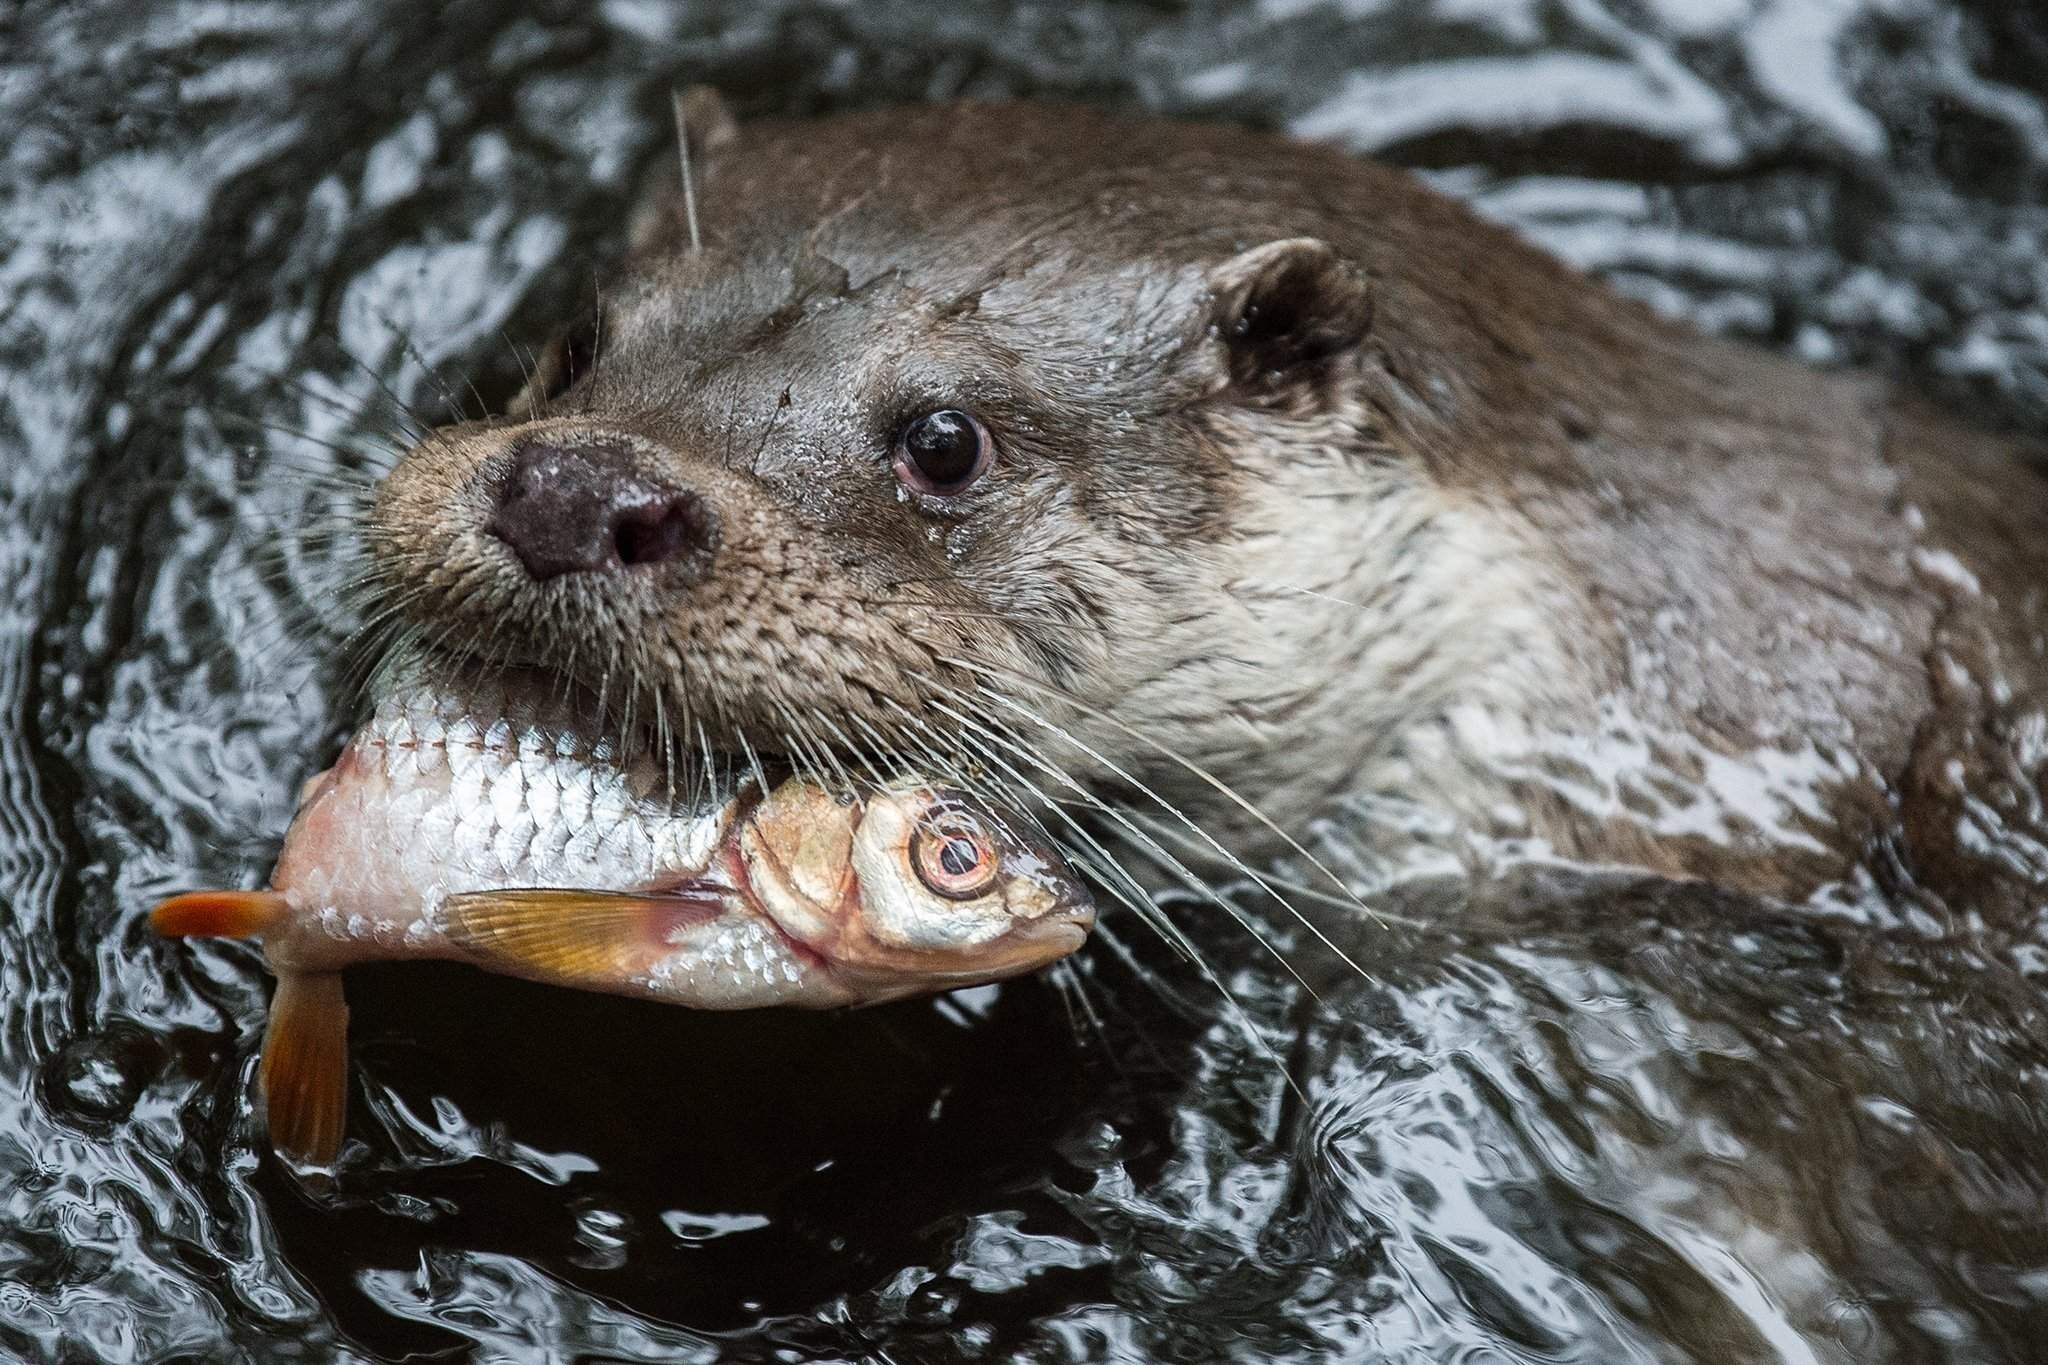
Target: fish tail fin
point(304, 1073)
point(218, 914)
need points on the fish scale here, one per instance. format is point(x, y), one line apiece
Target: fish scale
point(521, 845)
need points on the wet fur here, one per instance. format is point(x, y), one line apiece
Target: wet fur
point(1436, 518)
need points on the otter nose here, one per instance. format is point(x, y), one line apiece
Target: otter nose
point(587, 508)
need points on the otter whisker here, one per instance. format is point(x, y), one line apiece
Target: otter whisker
point(564, 677)
point(369, 625)
point(945, 767)
point(416, 427)
point(618, 684)
point(367, 669)
point(801, 762)
point(826, 759)
point(891, 760)
point(454, 595)
point(1082, 1019)
point(1161, 986)
point(684, 727)
point(831, 752)
point(1230, 859)
point(664, 749)
point(333, 481)
point(664, 733)
point(945, 764)
point(438, 641)
point(390, 434)
point(520, 357)
point(829, 769)
point(485, 647)
point(337, 472)
point(877, 767)
point(596, 344)
point(638, 694)
point(1186, 875)
point(768, 432)
point(1167, 931)
point(676, 103)
point(412, 352)
point(605, 678)
point(262, 643)
point(328, 539)
point(631, 694)
point(1153, 916)
point(753, 762)
point(373, 621)
point(467, 585)
point(1223, 788)
point(1159, 829)
point(707, 777)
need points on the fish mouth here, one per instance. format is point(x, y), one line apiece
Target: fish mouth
point(1042, 943)
point(1020, 952)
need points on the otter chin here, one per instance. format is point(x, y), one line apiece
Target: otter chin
point(1152, 464)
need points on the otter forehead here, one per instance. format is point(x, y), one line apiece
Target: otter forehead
point(992, 235)
point(806, 387)
point(1082, 249)
point(811, 323)
point(879, 316)
point(956, 193)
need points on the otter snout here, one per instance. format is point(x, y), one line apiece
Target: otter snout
point(588, 507)
point(667, 579)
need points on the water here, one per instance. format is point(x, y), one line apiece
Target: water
point(1585, 1120)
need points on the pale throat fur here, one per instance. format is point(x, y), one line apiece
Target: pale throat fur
point(1301, 482)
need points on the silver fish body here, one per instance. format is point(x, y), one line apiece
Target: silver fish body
point(795, 896)
point(520, 846)
point(426, 802)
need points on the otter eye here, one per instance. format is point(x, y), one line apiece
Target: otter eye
point(953, 857)
point(942, 452)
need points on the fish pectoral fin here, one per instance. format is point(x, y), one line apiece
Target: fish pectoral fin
point(577, 938)
point(218, 914)
point(304, 1073)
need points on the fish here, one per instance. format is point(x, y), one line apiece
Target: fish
point(490, 830)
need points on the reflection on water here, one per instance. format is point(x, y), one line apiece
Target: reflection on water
point(1588, 1119)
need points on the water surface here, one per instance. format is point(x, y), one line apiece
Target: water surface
point(1586, 1119)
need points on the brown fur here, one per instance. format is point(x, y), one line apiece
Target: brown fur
point(1400, 506)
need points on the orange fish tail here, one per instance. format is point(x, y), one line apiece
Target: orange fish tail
point(218, 914)
point(304, 1073)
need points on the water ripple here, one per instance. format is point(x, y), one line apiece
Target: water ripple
point(1587, 1119)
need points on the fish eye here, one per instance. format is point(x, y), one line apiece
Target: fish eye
point(953, 856)
point(942, 452)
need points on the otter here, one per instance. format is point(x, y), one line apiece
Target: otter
point(1159, 460)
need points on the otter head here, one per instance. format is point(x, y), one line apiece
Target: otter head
point(957, 438)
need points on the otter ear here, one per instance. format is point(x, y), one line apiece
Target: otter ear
point(1283, 310)
point(707, 128)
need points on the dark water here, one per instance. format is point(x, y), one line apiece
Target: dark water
point(1585, 1121)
